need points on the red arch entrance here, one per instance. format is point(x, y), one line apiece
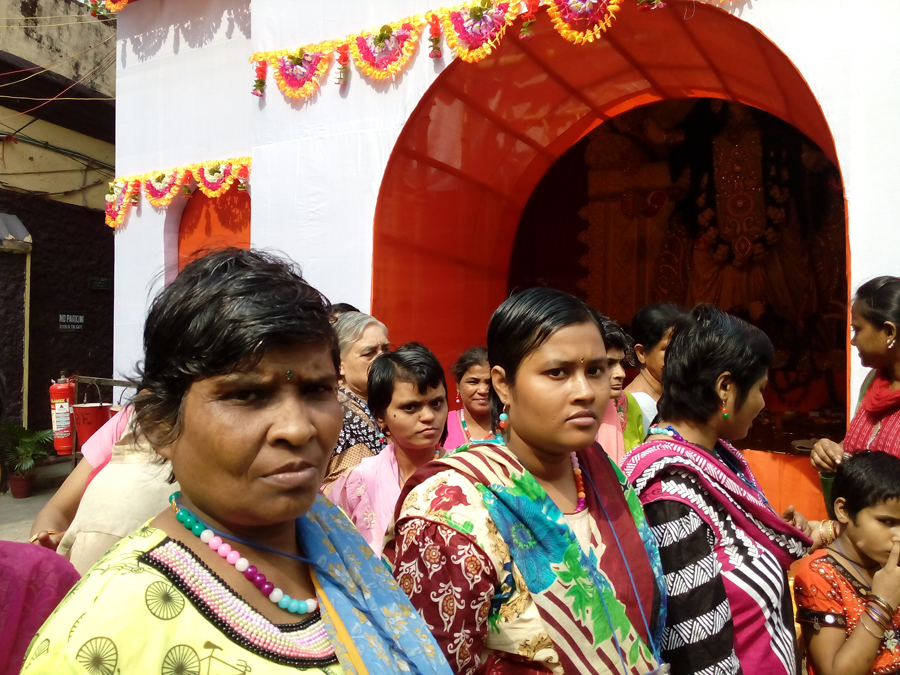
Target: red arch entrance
point(481, 138)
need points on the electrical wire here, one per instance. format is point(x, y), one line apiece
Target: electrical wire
point(32, 173)
point(105, 63)
point(87, 162)
point(59, 98)
point(44, 69)
point(52, 16)
point(47, 25)
point(40, 193)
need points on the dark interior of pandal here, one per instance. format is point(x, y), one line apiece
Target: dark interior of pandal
point(701, 200)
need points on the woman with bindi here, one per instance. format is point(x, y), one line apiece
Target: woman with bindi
point(249, 568)
point(529, 552)
point(473, 420)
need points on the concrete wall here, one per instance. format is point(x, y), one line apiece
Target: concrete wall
point(70, 245)
point(50, 172)
point(46, 40)
point(12, 320)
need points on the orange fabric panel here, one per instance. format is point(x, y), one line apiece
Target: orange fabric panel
point(208, 224)
point(484, 134)
point(788, 479)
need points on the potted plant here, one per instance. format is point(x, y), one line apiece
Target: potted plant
point(21, 449)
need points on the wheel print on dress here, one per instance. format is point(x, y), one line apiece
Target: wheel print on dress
point(181, 660)
point(98, 656)
point(163, 600)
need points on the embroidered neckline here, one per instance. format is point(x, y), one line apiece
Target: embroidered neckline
point(861, 589)
point(304, 644)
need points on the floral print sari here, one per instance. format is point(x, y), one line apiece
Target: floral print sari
point(493, 566)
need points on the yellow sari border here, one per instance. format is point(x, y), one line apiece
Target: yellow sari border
point(342, 635)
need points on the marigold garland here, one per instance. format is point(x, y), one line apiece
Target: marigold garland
point(162, 188)
point(121, 195)
point(473, 31)
point(114, 6)
point(297, 72)
point(381, 55)
point(582, 21)
point(213, 178)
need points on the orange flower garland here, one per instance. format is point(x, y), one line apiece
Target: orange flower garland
point(121, 194)
point(384, 53)
point(473, 31)
point(298, 72)
point(115, 6)
point(582, 21)
point(162, 188)
point(214, 178)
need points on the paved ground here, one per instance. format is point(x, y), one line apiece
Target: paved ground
point(16, 515)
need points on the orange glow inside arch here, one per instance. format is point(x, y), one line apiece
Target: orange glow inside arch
point(209, 224)
point(484, 134)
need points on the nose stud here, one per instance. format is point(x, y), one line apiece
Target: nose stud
point(288, 374)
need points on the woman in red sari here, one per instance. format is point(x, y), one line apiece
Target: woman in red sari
point(874, 319)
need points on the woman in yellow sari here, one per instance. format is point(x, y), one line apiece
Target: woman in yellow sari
point(250, 570)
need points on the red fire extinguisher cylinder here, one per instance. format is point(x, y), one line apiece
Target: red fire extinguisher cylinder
point(62, 396)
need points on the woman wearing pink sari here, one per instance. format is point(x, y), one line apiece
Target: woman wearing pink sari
point(612, 435)
point(724, 551)
point(473, 421)
point(408, 397)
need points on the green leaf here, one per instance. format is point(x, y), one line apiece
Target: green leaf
point(21, 447)
point(526, 485)
point(634, 652)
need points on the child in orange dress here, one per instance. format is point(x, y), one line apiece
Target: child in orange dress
point(848, 593)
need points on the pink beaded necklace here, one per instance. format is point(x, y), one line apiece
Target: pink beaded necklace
point(240, 563)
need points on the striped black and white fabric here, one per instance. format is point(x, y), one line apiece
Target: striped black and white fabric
point(724, 553)
point(704, 594)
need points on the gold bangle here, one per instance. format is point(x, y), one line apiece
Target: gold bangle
point(35, 537)
point(868, 630)
point(826, 532)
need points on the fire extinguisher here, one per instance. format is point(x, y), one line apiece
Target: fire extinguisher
point(62, 396)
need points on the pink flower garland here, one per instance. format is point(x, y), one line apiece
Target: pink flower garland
point(299, 80)
point(217, 183)
point(582, 21)
point(382, 57)
point(383, 54)
point(473, 31)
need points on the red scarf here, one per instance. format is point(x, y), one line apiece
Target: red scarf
point(879, 399)
point(876, 425)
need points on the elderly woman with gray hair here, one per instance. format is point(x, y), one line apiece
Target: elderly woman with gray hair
point(361, 338)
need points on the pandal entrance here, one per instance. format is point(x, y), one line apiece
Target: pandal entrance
point(704, 200)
